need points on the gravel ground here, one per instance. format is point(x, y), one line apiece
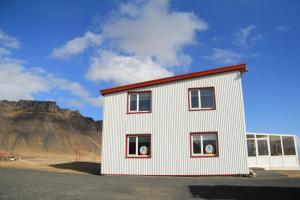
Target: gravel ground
point(32, 185)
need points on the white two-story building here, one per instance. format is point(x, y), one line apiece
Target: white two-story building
point(185, 125)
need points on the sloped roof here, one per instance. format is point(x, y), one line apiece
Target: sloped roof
point(240, 67)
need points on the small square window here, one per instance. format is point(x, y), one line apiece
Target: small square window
point(138, 146)
point(202, 99)
point(139, 102)
point(204, 144)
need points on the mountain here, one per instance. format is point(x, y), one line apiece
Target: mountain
point(42, 128)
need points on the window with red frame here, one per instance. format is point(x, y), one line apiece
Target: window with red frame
point(204, 144)
point(139, 102)
point(138, 146)
point(202, 98)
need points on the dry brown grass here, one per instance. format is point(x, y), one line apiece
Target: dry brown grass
point(290, 173)
point(48, 163)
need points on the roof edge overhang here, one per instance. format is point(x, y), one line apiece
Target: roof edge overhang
point(240, 67)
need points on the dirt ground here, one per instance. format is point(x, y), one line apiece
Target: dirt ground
point(60, 164)
point(290, 173)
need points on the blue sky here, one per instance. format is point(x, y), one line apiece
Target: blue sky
point(67, 50)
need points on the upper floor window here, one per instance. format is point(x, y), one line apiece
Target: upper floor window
point(139, 102)
point(202, 99)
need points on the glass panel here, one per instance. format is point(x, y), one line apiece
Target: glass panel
point(144, 145)
point(262, 146)
point(207, 98)
point(210, 143)
point(275, 145)
point(261, 136)
point(288, 145)
point(132, 147)
point(250, 136)
point(194, 99)
point(144, 101)
point(251, 147)
point(196, 144)
point(133, 102)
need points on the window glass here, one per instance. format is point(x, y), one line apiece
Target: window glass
point(133, 102)
point(194, 99)
point(144, 101)
point(132, 145)
point(275, 145)
point(204, 144)
point(207, 98)
point(262, 147)
point(250, 136)
point(209, 143)
point(251, 147)
point(197, 144)
point(288, 145)
point(144, 145)
point(261, 136)
point(139, 146)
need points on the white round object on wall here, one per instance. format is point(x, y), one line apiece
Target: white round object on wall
point(209, 148)
point(143, 150)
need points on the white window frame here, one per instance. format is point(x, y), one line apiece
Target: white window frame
point(199, 98)
point(255, 145)
point(138, 102)
point(202, 154)
point(261, 139)
point(136, 155)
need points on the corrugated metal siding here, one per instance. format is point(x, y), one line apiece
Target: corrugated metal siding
point(170, 124)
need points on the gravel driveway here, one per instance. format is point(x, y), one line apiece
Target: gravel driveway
point(31, 185)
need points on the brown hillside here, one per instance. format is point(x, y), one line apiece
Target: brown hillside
point(40, 127)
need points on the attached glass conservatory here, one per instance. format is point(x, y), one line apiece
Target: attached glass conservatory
point(272, 151)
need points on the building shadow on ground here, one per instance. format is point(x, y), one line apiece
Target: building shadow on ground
point(243, 192)
point(85, 167)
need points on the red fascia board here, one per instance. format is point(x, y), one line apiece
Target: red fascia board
point(241, 67)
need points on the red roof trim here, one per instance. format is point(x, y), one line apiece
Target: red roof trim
point(241, 67)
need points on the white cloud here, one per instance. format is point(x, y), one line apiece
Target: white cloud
point(120, 69)
point(152, 29)
point(77, 45)
point(4, 52)
point(74, 88)
point(141, 40)
point(225, 56)
point(283, 28)
point(245, 37)
point(9, 41)
point(18, 82)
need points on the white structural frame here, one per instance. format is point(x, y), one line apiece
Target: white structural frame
point(273, 161)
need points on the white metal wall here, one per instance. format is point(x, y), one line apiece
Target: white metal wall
point(276, 162)
point(170, 124)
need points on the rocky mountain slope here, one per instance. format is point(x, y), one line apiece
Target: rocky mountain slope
point(41, 127)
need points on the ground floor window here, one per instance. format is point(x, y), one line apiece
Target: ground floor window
point(204, 144)
point(274, 145)
point(288, 145)
point(251, 145)
point(138, 145)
